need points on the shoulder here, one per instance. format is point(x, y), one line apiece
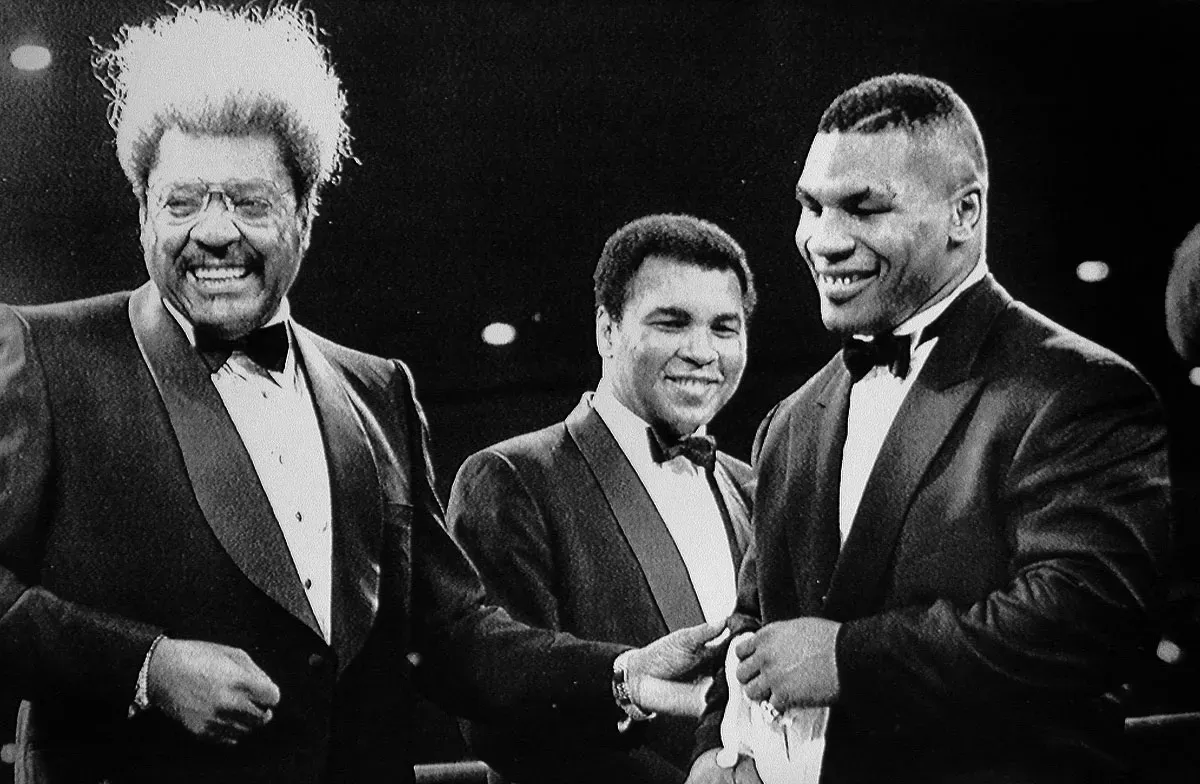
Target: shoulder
point(368, 370)
point(73, 314)
point(528, 454)
point(1042, 358)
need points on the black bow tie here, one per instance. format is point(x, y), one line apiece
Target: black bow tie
point(701, 450)
point(268, 346)
point(891, 351)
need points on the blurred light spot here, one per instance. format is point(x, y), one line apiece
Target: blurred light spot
point(1168, 651)
point(1092, 271)
point(30, 57)
point(1194, 376)
point(537, 318)
point(499, 334)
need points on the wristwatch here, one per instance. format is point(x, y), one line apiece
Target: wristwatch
point(620, 690)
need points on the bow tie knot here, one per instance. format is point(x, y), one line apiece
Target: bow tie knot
point(891, 351)
point(700, 450)
point(267, 346)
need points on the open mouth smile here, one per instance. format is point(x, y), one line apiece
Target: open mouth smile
point(845, 285)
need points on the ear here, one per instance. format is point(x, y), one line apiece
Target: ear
point(604, 332)
point(967, 216)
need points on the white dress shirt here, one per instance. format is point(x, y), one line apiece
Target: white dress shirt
point(875, 399)
point(681, 493)
point(274, 415)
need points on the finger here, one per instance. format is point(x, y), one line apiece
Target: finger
point(655, 695)
point(238, 720)
point(694, 638)
point(225, 732)
point(245, 712)
point(748, 669)
point(757, 690)
point(259, 687)
point(747, 646)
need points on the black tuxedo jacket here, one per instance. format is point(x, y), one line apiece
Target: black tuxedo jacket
point(1003, 563)
point(129, 507)
point(567, 538)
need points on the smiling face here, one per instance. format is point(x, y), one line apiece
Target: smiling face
point(878, 228)
point(227, 266)
point(676, 354)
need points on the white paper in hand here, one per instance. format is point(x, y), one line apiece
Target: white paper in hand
point(787, 750)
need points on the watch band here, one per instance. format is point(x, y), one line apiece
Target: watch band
point(621, 693)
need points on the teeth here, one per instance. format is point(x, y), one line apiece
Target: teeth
point(219, 273)
point(693, 382)
point(842, 280)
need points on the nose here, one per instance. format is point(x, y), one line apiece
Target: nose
point(824, 236)
point(699, 348)
point(215, 228)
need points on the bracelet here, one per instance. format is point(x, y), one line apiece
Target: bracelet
point(620, 690)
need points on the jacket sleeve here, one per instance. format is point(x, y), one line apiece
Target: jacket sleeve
point(1085, 506)
point(47, 645)
point(496, 518)
point(476, 660)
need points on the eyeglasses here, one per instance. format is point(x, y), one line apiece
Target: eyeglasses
point(250, 202)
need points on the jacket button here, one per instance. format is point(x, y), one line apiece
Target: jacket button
point(316, 660)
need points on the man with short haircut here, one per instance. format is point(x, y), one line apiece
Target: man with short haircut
point(623, 522)
point(219, 538)
point(960, 521)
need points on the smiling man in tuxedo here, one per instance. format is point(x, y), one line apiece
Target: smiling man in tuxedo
point(219, 538)
point(961, 521)
point(623, 522)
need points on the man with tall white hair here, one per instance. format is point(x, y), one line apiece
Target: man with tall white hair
point(219, 537)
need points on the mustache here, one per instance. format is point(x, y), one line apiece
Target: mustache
point(234, 255)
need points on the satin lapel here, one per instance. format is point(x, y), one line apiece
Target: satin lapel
point(937, 399)
point(817, 550)
point(355, 501)
point(638, 518)
point(219, 468)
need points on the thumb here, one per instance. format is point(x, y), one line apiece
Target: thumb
point(694, 638)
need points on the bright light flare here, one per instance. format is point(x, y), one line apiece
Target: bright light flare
point(499, 334)
point(30, 57)
point(1092, 271)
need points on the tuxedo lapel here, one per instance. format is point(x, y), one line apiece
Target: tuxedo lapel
point(355, 502)
point(638, 519)
point(218, 466)
point(816, 545)
point(938, 397)
point(734, 505)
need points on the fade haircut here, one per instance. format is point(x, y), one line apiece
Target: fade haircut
point(684, 238)
point(218, 71)
point(920, 106)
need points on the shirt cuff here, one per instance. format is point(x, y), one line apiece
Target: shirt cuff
point(141, 695)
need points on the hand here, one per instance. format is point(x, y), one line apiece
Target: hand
point(705, 770)
point(666, 676)
point(218, 693)
point(791, 663)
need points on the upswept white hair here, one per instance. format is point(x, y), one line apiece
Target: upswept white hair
point(213, 70)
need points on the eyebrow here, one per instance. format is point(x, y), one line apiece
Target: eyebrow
point(681, 313)
point(864, 193)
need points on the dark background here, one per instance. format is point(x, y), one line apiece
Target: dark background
point(502, 142)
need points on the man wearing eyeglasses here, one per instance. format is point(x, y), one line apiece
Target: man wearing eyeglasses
point(219, 539)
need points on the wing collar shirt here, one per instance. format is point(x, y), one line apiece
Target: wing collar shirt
point(875, 399)
point(273, 413)
point(684, 498)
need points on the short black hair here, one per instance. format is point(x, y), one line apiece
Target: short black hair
point(916, 105)
point(686, 238)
